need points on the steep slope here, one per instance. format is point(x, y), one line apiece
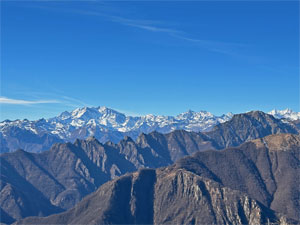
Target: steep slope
point(3, 144)
point(245, 127)
point(266, 169)
point(19, 198)
point(175, 145)
point(163, 197)
point(52, 181)
point(68, 172)
point(296, 123)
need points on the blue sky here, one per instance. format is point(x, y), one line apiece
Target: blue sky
point(159, 57)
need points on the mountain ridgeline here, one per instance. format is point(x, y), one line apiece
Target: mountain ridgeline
point(255, 183)
point(40, 184)
point(248, 126)
point(106, 125)
point(103, 123)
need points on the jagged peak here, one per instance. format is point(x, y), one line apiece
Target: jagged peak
point(92, 138)
point(128, 139)
point(229, 114)
point(106, 110)
point(287, 113)
point(89, 140)
point(191, 113)
point(287, 110)
point(125, 140)
point(77, 141)
point(110, 143)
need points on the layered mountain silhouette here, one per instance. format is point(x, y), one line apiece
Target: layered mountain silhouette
point(61, 177)
point(255, 183)
point(106, 125)
point(248, 126)
point(67, 172)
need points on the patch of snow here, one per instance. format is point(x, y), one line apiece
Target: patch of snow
point(287, 114)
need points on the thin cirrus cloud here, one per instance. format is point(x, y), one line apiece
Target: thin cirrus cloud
point(215, 46)
point(5, 100)
point(157, 26)
point(153, 26)
point(149, 25)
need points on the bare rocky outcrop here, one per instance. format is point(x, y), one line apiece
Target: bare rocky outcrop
point(164, 197)
point(267, 169)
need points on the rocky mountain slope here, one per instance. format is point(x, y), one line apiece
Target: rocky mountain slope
point(248, 126)
point(267, 169)
point(255, 183)
point(67, 172)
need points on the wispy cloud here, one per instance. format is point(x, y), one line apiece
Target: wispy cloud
point(74, 102)
point(149, 25)
point(227, 48)
point(157, 26)
point(4, 100)
point(50, 95)
point(153, 28)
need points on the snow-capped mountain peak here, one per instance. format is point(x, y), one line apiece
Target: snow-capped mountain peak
point(65, 115)
point(85, 113)
point(108, 124)
point(87, 121)
point(195, 115)
point(287, 114)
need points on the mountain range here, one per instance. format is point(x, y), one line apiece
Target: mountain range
point(287, 114)
point(106, 125)
point(255, 183)
point(41, 184)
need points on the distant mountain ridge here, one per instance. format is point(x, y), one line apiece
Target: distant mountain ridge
point(285, 114)
point(103, 123)
point(106, 125)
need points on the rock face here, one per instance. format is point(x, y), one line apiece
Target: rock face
point(68, 172)
point(266, 169)
point(55, 180)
